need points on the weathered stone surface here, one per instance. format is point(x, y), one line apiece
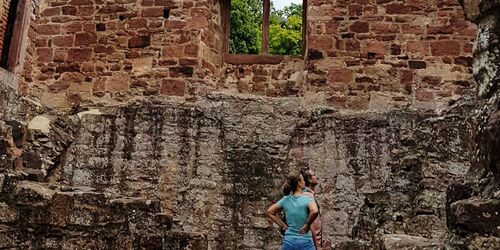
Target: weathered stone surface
point(216, 164)
point(407, 242)
point(473, 211)
point(476, 215)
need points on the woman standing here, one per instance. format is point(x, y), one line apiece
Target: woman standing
point(300, 212)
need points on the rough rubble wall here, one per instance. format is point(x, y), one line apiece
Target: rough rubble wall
point(360, 54)
point(37, 212)
point(216, 165)
point(473, 206)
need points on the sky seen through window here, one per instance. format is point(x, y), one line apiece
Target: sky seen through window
point(280, 4)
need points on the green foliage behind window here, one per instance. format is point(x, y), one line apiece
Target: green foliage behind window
point(246, 32)
point(285, 30)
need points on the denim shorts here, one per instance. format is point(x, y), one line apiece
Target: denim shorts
point(297, 244)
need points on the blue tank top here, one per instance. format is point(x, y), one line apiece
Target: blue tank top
point(296, 214)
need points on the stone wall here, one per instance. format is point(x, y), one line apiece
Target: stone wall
point(217, 164)
point(360, 55)
point(199, 169)
point(37, 212)
point(95, 50)
point(473, 205)
point(414, 53)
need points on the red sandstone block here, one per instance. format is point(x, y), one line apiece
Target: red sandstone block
point(432, 80)
point(175, 24)
point(442, 29)
point(152, 12)
point(173, 51)
point(104, 49)
point(147, 2)
point(79, 55)
point(360, 27)
point(188, 62)
point(60, 55)
point(139, 41)
point(411, 29)
point(85, 38)
point(51, 12)
point(86, 10)
point(137, 23)
point(89, 27)
point(69, 10)
point(72, 27)
point(376, 47)
point(467, 48)
point(384, 28)
point(109, 9)
point(48, 29)
point(401, 8)
point(469, 31)
point(191, 50)
point(352, 45)
point(63, 41)
point(320, 42)
point(81, 2)
point(166, 3)
point(443, 3)
point(117, 83)
point(355, 10)
point(41, 42)
point(340, 75)
point(421, 47)
point(187, 4)
point(173, 87)
point(197, 22)
point(445, 47)
point(44, 54)
point(424, 95)
point(331, 27)
point(406, 76)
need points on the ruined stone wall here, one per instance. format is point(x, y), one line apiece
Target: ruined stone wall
point(360, 55)
point(95, 50)
point(473, 206)
point(373, 55)
point(400, 52)
point(217, 164)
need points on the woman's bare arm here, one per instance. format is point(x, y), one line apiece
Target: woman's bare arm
point(313, 213)
point(271, 213)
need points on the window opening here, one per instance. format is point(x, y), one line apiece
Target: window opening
point(264, 29)
point(17, 19)
point(285, 28)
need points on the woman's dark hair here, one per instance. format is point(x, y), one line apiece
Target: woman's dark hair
point(291, 183)
point(306, 173)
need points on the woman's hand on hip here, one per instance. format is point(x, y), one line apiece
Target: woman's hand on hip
point(304, 229)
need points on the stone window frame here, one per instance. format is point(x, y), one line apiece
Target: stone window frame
point(264, 57)
point(18, 39)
